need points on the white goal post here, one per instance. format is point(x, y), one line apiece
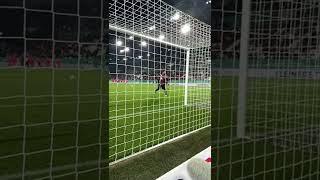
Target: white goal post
point(206, 67)
point(115, 28)
point(187, 78)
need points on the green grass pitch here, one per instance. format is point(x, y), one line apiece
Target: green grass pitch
point(272, 105)
point(141, 118)
point(61, 111)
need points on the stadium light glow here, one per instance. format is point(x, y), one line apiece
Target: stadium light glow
point(131, 37)
point(152, 27)
point(185, 28)
point(122, 51)
point(126, 49)
point(161, 37)
point(176, 16)
point(119, 43)
point(147, 37)
point(143, 43)
point(139, 57)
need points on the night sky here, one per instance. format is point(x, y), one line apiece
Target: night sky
point(196, 8)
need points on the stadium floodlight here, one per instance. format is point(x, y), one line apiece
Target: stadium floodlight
point(152, 27)
point(139, 57)
point(124, 59)
point(143, 43)
point(119, 43)
point(185, 28)
point(176, 16)
point(161, 37)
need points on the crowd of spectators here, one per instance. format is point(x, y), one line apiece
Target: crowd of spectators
point(48, 54)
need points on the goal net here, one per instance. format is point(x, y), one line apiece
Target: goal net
point(282, 101)
point(53, 90)
point(159, 69)
point(268, 125)
point(198, 83)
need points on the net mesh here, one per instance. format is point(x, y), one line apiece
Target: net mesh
point(199, 79)
point(52, 100)
point(277, 136)
point(150, 40)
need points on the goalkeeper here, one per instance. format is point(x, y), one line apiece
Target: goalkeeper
point(162, 81)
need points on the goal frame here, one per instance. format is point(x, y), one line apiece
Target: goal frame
point(118, 29)
point(243, 68)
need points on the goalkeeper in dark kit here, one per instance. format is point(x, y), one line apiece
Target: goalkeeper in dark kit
point(162, 82)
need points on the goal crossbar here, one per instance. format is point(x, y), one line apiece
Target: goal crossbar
point(115, 28)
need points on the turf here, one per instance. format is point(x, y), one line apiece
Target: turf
point(144, 119)
point(161, 160)
point(54, 123)
point(141, 118)
point(273, 105)
point(51, 122)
